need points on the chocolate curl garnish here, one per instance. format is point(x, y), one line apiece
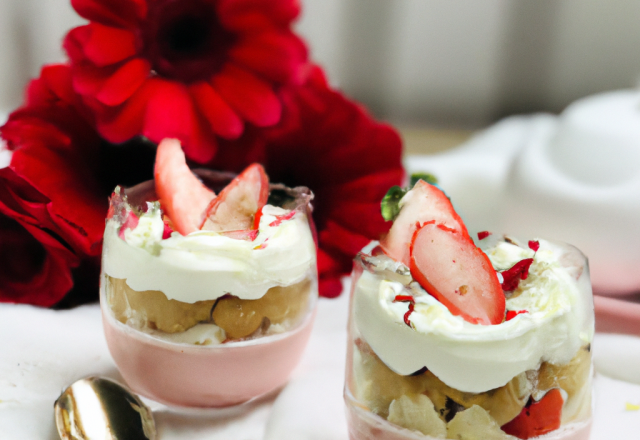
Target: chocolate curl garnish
point(512, 277)
point(484, 234)
point(411, 301)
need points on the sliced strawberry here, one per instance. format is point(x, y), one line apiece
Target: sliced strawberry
point(236, 206)
point(182, 195)
point(537, 418)
point(449, 266)
point(423, 203)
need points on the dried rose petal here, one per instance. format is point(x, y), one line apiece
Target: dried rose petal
point(484, 234)
point(130, 223)
point(167, 231)
point(409, 312)
point(519, 271)
point(512, 314)
point(534, 245)
point(281, 218)
point(411, 301)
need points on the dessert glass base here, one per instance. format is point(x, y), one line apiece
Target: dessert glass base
point(187, 375)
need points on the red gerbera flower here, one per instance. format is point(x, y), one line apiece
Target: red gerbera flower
point(196, 70)
point(349, 160)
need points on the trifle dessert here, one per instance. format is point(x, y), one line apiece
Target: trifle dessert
point(207, 291)
point(449, 339)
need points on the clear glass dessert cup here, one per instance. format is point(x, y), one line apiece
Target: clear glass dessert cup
point(213, 352)
point(469, 381)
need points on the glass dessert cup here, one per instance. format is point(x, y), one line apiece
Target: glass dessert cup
point(416, 372)
point(239, 341)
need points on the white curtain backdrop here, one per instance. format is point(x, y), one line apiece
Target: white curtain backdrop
point(460, 63)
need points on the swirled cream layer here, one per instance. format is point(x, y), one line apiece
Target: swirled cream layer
point(555, 318)
point(206, 265)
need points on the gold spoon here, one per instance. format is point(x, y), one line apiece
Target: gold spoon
point(98, 408)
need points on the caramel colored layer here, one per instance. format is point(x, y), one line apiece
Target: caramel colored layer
point(239, 318)
point(151, 308)
point(377, 387)
point(242, 318)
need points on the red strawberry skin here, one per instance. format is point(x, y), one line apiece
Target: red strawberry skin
point(239, 203)
point(537, 418)
point(182, 195)
point(449, 266)
point(422, 204)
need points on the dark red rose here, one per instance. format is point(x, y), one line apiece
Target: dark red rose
point(35, 267)
point(196, 70)
point(349, 161)
point(51, 207)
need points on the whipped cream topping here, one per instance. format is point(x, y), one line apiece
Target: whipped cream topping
point(206, 265)
point(476, 358)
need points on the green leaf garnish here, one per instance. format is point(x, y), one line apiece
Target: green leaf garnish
point(389, 205)
point(429, 178)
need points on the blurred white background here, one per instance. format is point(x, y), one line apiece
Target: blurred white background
point(429, 63)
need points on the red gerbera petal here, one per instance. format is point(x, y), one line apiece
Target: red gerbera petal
point(74, 42)
point(366, 187)
point(338, 240)
point(254, 15)
point(118, 13)
point(107, 45)
point(121, 124)
point(170, 114)
point(327, 264)
point(57, 79)
point(248, 95)
point(124, 82)
point(89, 79)
point(278, 56)
point(222, 118)
point(350, 215)
point(330, 287)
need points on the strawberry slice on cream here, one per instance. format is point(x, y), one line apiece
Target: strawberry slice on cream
point(424, 203)
point(449, 266)
point(431, 239)
point(237, 206)
point(182, 195)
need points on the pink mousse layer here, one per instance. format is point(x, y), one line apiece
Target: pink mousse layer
point(204, 376)
point(363, 425)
